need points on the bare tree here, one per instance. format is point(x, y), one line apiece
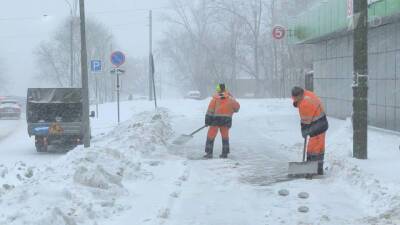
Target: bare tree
point(227, 40)
point(136, 77)
point(190, 45)
point(53, 56)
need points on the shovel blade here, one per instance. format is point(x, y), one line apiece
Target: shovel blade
point(298, 169)
point(183, 139)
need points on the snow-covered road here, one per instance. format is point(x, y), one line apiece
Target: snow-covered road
point(133, 175)
point(7, 127)
point(16, 146)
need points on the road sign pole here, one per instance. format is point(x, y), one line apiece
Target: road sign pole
point(97, 97)
point(118, 86)
point(96, 68)
point(117, 59)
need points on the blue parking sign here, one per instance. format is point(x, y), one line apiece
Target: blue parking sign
point(95, 66)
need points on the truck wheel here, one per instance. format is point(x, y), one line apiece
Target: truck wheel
point(41, 146)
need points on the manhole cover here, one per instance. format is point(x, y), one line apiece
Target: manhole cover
point(303, 209)
point(283, 192)
point(303, 195)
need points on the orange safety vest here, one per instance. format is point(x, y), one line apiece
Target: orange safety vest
point(223, 105)
point(310, 108)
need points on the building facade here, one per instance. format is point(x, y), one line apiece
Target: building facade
point(324, 28)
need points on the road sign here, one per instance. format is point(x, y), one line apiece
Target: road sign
point(95, 66)
point(117, 71)
point(350, 6)
point(117, 58)
point(278, 32)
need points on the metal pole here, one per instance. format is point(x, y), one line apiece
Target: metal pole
point(154, 82)
point(97, 98)
point(85, 78)
point(360, 87)
point(118, 95)
point(112, 80)
point(150, 53)
point(72, 50)
point(161, 86)
point(71, 82)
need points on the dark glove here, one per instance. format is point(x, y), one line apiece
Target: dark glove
point(305, 133)
point(208, 120)
point(305, 130)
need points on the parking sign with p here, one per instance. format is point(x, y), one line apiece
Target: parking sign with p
point(95, 66)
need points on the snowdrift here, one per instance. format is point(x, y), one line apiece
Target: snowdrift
point(85, 185)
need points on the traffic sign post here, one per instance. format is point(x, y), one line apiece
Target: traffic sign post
point(117, 59)
point(118, 71)
point(278, 32)
point(96, 68)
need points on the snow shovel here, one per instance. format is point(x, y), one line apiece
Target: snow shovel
point(183, 139)
point(301, 169)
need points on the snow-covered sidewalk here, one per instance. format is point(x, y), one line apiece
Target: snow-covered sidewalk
point(133, 175)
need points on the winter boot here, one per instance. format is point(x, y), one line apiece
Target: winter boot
point(208, 156)
point(209, 149)
point(321, 168)
point(223, 156)
point(225, 149)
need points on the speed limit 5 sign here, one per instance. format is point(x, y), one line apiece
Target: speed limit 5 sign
point(278, 32)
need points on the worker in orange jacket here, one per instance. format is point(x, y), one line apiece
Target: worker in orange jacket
point(314, 123)
point(219, 117)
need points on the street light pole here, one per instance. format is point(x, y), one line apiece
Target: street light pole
point(85, 78)
point(150, 55)
point(71, 84)
point(72, 51)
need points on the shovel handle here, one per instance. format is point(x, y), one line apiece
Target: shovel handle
point(198, 130)
point(304, 149)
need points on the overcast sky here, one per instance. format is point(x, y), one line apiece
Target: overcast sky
point(23, 27)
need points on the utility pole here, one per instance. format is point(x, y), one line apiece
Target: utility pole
point(72, 51)
point(153, 80)
point(150, 55)
point(85, 78)
point(360, 87)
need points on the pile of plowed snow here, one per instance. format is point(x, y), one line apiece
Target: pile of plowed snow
point(377, 196)
point(86, 184)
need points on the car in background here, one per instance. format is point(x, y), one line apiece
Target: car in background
point(193, 95)
point(10, 109)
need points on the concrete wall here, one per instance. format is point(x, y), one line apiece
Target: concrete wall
point(333, 68)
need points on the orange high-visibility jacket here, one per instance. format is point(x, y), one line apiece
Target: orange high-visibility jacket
point(310, 108)
point(223, 105)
